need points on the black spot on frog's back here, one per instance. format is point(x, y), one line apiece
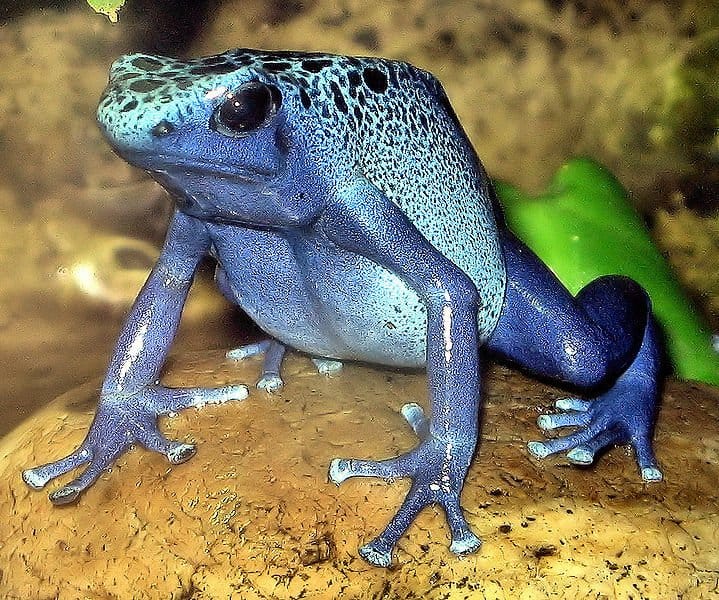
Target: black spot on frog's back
point(339, 99)
point(214, 69)
point(305, 98)
point(315, 65)
point(147, 63)
point(218, 59)
point(354, 78)
point(276, 66)
point(375, 80)
point(131, 105)
point(144, 85)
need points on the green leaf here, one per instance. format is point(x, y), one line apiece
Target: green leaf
point(584, 227)
point(107, 7)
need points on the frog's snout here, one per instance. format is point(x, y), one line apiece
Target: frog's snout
point(135, 107)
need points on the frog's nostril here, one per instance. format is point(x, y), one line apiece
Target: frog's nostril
point(162, 129)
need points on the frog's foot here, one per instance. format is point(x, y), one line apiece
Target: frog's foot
point(437, 469)
point(622, 415)
point(327, 366)
point(274, 352)
point(120, 422)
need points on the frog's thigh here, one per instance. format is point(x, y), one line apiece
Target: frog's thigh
point(582, 340)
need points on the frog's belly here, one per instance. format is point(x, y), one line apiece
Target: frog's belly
point(373, 317)
point(369, 314)
point(325, 302)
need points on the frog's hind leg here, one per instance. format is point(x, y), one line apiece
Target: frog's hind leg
point(603, 342)
point(274, 352)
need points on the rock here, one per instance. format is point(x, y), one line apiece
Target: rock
point(253, 516)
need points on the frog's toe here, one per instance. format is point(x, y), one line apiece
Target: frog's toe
point(575, 413)
point(70, 492)
point(464, 540)
point(583, 454)
point(542, 449)
point(393, 468)
point(339, 470)
point(274, 352)
point(176, 452)
point(414, 415)
point(162, 400)
point(180, 452)
point(651, 474)
point(344, 468)
point(467, 543)
point(100, 462)
point(248, 350)
point(557, 420)
point(38, 477)
point(646, 460)
point(203, 396)
point(327, 366)
point(65, 495)
point(573, 404)
point(426, 489)
point(270, 382)
point(376, 554)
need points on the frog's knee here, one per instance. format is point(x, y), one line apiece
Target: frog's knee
point(584, 365)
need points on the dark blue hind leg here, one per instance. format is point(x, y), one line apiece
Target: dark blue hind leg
point(602, 342)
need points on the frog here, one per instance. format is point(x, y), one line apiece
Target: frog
point(350, 217)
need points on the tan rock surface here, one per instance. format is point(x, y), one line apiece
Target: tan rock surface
point(253, 516)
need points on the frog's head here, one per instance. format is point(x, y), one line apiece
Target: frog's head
point(220, 133)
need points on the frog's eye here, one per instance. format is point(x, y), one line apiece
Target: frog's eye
point(246, 109)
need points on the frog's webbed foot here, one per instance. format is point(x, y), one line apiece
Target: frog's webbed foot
point(623, 415)
point(121, 421)
point(437, 469)
point(274, 352)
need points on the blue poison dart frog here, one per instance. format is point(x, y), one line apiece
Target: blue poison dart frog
point(351, 219)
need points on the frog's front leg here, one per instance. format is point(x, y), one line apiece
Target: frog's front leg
point(365, 222)
point(131, 398)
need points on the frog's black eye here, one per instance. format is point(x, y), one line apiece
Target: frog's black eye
point(246, 109)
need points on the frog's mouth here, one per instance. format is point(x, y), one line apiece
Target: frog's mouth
point(177, 166)
point(221, 195)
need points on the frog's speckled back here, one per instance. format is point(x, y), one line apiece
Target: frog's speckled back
point(386, 120)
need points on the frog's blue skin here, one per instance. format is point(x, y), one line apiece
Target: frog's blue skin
point(352, 220)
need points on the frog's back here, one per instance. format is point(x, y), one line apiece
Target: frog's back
point(397, 126)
